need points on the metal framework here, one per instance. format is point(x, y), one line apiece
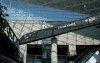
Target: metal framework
point(91, 7)
point(6, 29)
point(7, 33)
point(88, 7)
point(87, 54)
point(54, 31)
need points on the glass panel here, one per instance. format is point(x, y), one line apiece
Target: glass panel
point(25, 11)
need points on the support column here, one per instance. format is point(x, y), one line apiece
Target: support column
point(72, 50)
point(23, 49)
point(54, 57)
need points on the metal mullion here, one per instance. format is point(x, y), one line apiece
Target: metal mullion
point(81, 4)
point(31, 29)
point(14, 24)
point(22, 28)
point(36, 35)
point(90, 10)
point(39, 34)
point(46, 31)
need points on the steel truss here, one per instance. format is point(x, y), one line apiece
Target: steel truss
point(54, 31)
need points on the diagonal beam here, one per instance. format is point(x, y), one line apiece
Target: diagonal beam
point(54, 31)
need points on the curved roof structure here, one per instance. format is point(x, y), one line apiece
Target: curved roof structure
point(90, 7)
point(25, 11)
point(28, 16)
point(53, 12)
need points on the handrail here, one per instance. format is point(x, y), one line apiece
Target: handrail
point(88, 55)
point(81, 54)
point(10, 56)
point(6, 29)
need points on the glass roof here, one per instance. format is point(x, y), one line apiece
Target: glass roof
point(26, 11)
point(91, 7)
point(28, 17)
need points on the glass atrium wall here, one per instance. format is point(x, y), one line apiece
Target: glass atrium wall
point(21, 13)
point(26, 11)
point(26, 17)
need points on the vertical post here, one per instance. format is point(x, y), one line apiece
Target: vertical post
point(54, 57)
point(23, 49)
point(72, 50)
point(99, 51)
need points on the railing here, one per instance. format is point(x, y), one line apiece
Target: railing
point(54, 31)
point(61, 56)
point(34, 60)
point(86, 55)
point(34, 56)
point(37, 59)
point(6, 29)
point(18, 57)
point(63, 59)
point(79, 57)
